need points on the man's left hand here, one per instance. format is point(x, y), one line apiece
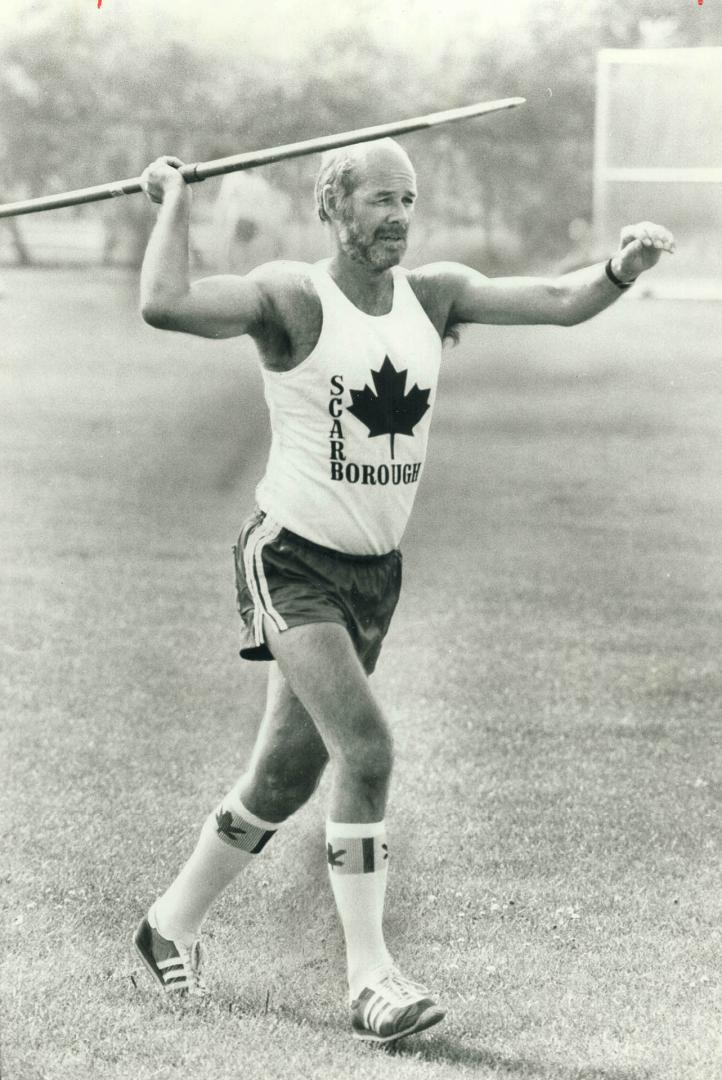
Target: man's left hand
point(640, 248)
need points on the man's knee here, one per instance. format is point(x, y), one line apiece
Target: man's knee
point(369, 755)
point(296, 784)
point(287, 783)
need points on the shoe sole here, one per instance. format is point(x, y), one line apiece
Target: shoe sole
point(426, 1020)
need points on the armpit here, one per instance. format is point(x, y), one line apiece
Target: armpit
point(429, 289)
point(293, 315)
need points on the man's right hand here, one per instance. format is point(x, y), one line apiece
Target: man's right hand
point(162, 177)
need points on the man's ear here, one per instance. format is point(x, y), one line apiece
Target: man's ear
point(328, 200)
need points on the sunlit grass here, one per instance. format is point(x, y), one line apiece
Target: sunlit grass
point(552, 676)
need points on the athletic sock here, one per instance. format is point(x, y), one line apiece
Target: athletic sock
point(357, 855)
point(230, 837)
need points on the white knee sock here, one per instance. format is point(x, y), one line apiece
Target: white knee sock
point(229, 839)
point(357, 863)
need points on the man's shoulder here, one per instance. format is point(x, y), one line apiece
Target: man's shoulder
point(289, 295)
point(437, 286)
point(290, 304)
point(282, 275)
point(441, 275)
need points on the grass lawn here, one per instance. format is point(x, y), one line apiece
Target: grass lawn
point(552, 675)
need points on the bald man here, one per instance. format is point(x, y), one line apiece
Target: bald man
point(350, 351)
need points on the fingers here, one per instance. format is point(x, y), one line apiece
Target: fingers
point(160, 175)
point(664, 239)
point(147, 183)
point(165, 160)
point(641, 248)
point(649, 235)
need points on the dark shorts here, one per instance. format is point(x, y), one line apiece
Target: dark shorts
point(293, 582)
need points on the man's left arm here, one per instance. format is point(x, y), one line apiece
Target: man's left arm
point(564, 300)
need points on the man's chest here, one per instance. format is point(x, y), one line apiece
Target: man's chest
point(293, 334)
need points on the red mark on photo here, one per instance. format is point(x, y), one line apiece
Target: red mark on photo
point(100, 3)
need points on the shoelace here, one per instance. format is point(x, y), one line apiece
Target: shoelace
point(402, 987)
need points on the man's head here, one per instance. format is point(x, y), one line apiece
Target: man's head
point(367, 193)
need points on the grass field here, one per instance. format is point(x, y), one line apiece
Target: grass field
point(552, 675)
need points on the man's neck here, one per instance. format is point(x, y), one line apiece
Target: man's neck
point(369, 290)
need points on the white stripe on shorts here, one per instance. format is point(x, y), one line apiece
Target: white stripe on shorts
point(265, 533)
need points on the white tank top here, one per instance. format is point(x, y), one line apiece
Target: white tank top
point(350, 423)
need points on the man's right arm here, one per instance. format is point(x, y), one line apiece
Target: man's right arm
point(216, 307)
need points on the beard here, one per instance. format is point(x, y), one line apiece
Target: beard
point(380, 250)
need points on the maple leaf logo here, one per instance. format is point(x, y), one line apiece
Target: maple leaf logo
point(334, 857)
point(224, 824)
point(389, 411)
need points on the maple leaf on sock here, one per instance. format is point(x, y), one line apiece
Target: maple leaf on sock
point(389, 411)
point(224, 824)
point(334, 857)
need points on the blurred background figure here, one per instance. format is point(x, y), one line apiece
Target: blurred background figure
point(249, 225)
point(585, 247)
point(622, 121)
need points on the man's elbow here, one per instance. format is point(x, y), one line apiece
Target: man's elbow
point(567, 310)
point(156, 315)
point(571, 317)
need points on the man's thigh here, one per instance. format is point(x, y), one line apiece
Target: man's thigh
point(287, 735)
point(322, 669)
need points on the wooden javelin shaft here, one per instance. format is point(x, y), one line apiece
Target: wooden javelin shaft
point(251, 160)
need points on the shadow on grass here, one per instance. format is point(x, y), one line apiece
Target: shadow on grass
point(439, 1049)
point(454, 1051)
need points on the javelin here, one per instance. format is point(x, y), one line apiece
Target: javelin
point(203, 169)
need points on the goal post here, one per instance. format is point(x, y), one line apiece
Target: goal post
point(658, 157)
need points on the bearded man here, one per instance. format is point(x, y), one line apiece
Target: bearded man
point(350, 350)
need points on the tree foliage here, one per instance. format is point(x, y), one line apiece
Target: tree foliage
point(79, 107)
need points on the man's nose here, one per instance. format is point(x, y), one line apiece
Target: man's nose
point(399, 214)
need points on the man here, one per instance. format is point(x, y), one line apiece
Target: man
point(350, 351)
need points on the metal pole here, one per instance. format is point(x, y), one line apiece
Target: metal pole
point(202, 170)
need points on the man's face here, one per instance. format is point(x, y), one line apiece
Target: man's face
point(373, 222)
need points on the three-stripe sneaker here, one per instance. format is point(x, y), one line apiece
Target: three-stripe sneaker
point(173, 965)
point(391, 1007)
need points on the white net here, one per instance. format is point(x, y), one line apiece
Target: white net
point(658, 156)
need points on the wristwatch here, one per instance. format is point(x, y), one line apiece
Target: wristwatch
point(615, 280)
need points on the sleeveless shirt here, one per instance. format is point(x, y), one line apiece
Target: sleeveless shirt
point(350, 423)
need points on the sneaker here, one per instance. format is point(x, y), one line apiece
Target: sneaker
point(392, 1007)
point(173, 965)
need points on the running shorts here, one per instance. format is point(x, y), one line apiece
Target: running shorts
point(293, 582)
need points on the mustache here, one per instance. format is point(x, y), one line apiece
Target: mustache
point(392, 234)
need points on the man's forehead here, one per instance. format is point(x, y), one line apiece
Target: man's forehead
point(384, 163)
